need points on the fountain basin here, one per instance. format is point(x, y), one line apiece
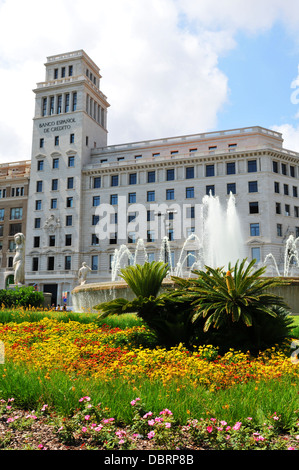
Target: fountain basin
point(86, 296)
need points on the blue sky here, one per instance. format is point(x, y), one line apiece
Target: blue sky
point(169, 67)
point(260, 71)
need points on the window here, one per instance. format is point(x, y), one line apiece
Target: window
point(292, 171)
point(69, 202)
point(56, 140)
point(279, 230)
point(86, 141)
point(212, 148)
point(62, 72)
point(72, 138)
point(151, 176)
point(283, 169)
point(254, 230)
point(52, 105)
point(59, 104)
point(2, 193)
point(275, 167)
point(156, 154)
point(131, 216)
point(232, 147)
point(170, 174)
point(41, 143)
point(296, 211)
point(16, 213)
point(40, 165)
point(38, 205)
point(68, 239)
point(252, 186)
point(189, 193)
point(39, 186)
point(277, 208)
point(55, 163)
point(231, 188)
point(210, 190)
point(210, 170)
point(71, 161)
point(113, 238)
point(94, 262)
point(169, 194)
point(44, 112)
point(36, 242)
point(69, 220)
point(253, 208)
point(37, 222)
point(276, 187)
point(170, 235)
point(286, 189)
point(191, 258)
point(287, 210)
point(53, 204)
point(114, 180)
point(34, 264)
point(251, 166)
point(95, 219)
point(1, 214)
point(96, 201)
point(150, 215)
point(190, 212)
point(70, 183)
point(55, 73)
point(174, 152)
point(74, 106)
point(230, 168)
point(190, 172)
point(113, 199)
point(52, 240)
point(256, 254)
point(55, 184)
point(297, 232)
point(132, 178)
point(150, 236)
point(97, 182)
point(150, 196)
point(67, 262)
point(70, 70)
point(131, 237)
point(132, 198)
point(94, 239)
point(50, 264)
point(67, 103)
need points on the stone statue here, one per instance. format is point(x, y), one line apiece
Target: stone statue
point(19, 259)
point(82, 274)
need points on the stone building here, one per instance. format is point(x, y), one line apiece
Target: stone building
point(14, 182)
point(85, 196)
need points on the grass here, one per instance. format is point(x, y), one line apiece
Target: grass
point(32, 389)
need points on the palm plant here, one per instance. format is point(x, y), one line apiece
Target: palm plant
point(168, 318)
point(229, 301)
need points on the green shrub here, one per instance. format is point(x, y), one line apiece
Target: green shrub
point(21, 297)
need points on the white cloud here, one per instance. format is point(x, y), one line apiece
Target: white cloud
point(158, 58)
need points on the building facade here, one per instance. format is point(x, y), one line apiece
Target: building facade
point(14, 182)
point(85, 197)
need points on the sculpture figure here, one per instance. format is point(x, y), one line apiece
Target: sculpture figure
point(82, 274)
point(19, 259)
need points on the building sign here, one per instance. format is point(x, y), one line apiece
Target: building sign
point(58, 125)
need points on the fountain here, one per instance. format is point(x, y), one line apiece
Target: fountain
point(219, 241)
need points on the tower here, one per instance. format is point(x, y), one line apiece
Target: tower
point(70, 119)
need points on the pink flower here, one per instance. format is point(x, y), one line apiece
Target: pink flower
point(121, 441)
point(44, 407)
point(86, 417)
point(168, 425)
point(147, 415)
point(210, 428)
point(291, 448)
point(224, 423)
point(84, 429)
point(40, 446)
point(237, 426)
point(151, 434)
point(151, 422)
point(98, 428)
point(133, 402)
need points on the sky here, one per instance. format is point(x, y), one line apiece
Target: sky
point(169, 67)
